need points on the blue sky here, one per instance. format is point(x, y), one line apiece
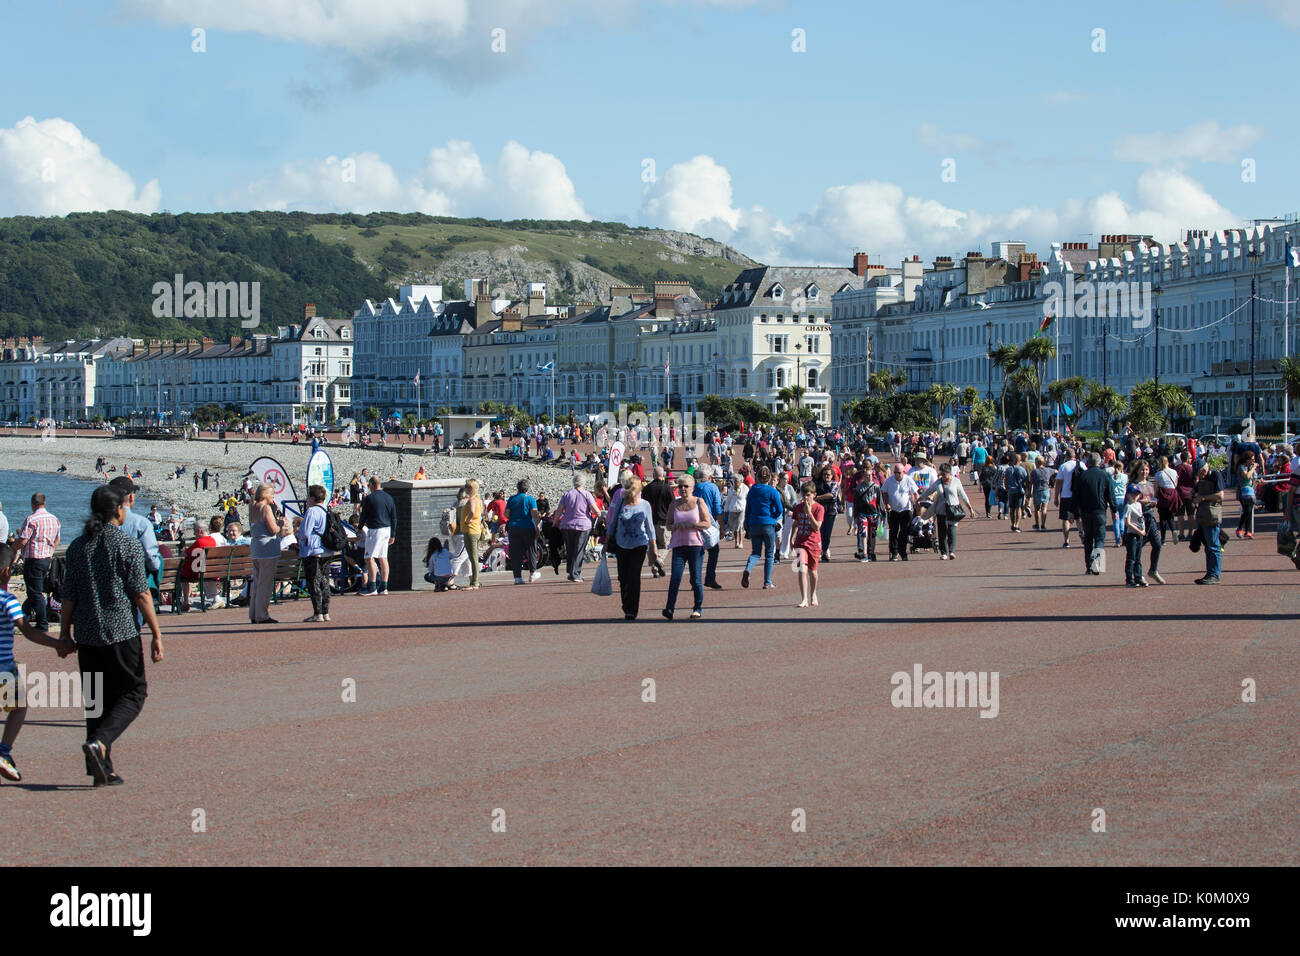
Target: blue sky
point(790, 156)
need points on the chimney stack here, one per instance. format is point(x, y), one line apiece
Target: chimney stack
point(860, 263)
point(309, 311)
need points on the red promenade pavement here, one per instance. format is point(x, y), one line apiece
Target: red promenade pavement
point(529, 699)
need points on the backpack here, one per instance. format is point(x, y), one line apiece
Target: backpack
point(335, 536)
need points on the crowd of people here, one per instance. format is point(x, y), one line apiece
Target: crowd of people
point(781, 492)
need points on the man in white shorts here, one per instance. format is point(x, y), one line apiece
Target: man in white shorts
point(378, 516)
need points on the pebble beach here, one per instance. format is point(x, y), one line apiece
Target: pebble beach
point(157, 460)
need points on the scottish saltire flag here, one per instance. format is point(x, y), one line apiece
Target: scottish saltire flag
point(1292, 257)
point(546, 368)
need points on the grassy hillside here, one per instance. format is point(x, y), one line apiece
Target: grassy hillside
point(93, 273)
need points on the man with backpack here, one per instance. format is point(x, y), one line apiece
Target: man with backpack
point(315, 550)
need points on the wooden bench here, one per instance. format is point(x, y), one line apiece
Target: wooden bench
point(227, 565)
point(168, 580)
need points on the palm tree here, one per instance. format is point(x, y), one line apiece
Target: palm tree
point(1157, 405)
point(1007, 360)
point(1076, 386)
point(882, 382)
point(1038, 351)
point(943, 396)
point(1106, 402)
point(1025, 381)
point(791, 395)
point(1056, 393)
point(1291, 376)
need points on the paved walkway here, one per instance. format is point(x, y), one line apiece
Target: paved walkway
point(529, 699)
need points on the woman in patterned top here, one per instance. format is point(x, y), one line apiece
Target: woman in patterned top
point(103, 583)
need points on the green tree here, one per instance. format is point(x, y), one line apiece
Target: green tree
point(1006, 359)
point(791, 395)
point(1106, 402)
point(717, 410)
point(372, 414)
point(1025, 381)
point(1152, 407)
point(943, 396)
point(1038, 352)
point(1291, 378)
point(1057, 393)
point(983, 414)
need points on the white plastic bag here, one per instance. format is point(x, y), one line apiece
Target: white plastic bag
point(602, 585)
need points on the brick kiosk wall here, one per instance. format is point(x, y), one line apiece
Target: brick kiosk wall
point(420, 505)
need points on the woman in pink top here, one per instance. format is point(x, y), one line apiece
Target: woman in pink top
point(687, 520)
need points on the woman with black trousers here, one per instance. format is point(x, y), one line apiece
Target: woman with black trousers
point(828, 496)
point(948, 496)
point(104, 583)
point(633, 533)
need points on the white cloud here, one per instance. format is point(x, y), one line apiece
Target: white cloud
point(691, 194)
point(49, 168)
point(452, 182)
point(454, 37)
point(1205, 142)
point(882, 219)
point(536, 186)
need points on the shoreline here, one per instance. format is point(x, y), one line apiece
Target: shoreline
point(156, 460)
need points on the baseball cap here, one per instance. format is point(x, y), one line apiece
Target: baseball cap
point(125, 483)
point(1134, 490)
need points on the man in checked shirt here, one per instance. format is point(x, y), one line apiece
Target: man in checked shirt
point(38, 536)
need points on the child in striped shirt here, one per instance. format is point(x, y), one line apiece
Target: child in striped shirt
point(11, 617)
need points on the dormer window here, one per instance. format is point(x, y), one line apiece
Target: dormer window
point(345, 333)
point(812, 291)
point(777, 291)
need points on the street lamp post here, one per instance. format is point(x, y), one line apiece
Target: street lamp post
point(1155, 314)
point(988, 329)
point(798, 373)
point(1254, 258)
point(1105, 331)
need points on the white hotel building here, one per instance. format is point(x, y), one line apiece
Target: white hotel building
point(938, 327)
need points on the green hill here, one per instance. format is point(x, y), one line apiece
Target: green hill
point(92, 274)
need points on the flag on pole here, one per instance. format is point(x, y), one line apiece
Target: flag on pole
point(416, 383)
point(1047, 324)
point(546, 368)
point(667, 366)
point(1292, 258)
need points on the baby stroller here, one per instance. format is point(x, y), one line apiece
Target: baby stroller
point(924, 536)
